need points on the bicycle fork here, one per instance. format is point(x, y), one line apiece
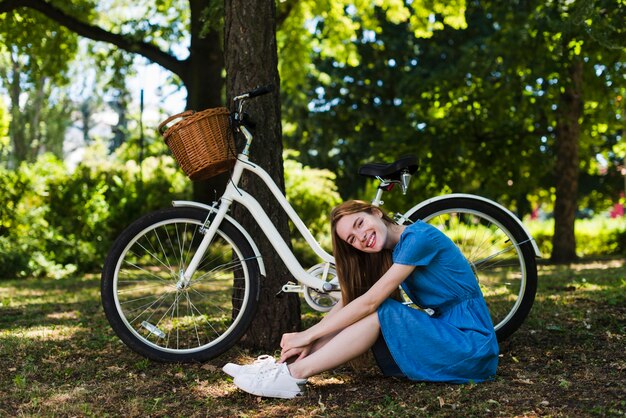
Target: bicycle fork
point(187, 273)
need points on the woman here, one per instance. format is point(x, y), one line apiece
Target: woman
point(451, 340)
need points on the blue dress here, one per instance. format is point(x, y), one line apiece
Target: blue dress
point(458, 343)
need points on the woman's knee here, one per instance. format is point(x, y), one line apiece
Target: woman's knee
point(371, 321)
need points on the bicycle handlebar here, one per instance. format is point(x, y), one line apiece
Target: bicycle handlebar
point(255, 93)
point(261, 91)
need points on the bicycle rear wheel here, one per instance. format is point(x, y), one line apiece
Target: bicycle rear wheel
point(160, 316)
point(499, 251)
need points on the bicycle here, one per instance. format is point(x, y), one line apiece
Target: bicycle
point(181, 284)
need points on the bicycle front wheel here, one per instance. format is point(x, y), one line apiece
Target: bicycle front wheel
point(155, 311)
point(499, 252)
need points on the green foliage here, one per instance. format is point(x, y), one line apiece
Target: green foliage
point(478, 103)
point(58, 221)
point(596, 237)
point(313, 193)
point(34, 57)
point(332, 30)
point(5, 140)
point(55, 221)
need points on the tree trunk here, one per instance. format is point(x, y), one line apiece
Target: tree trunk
point(17, 127)
point(251, 61)
point(567, 139)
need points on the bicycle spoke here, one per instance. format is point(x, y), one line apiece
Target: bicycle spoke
point(148, 306)
point(224, 268)
point(137, 289)
point(176, 319)
point(195, 327)
point(208, 323)
point(153, 255)
point(149, 273)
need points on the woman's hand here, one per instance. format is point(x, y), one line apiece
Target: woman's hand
point(300, 352)
point(295, 343)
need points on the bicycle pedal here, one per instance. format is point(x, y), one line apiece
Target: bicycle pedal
point(290, 287)
point(283, 289)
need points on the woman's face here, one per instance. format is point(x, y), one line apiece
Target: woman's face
point(364, 231)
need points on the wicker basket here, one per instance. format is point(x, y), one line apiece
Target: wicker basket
point(202, 142)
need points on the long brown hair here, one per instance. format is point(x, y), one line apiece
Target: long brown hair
point(357, 271)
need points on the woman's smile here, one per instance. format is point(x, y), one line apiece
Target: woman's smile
point(371, 241)
point(364, 231)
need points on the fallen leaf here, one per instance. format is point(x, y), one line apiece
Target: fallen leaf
point(524, 381)
point(209, 368)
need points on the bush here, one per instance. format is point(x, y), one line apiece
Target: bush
point(313, 194)
point(58, 221)
point(55, 221)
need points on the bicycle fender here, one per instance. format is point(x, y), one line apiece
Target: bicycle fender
point(189, 203)
point(420, 205)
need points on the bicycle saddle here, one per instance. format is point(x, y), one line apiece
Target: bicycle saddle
point(391, 171)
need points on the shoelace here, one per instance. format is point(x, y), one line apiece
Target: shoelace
point(270, 372)
point(262, 359)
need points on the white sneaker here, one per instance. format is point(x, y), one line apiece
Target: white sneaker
point(234, 370)
point(273, 382)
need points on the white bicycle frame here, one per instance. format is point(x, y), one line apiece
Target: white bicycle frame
point(234, 194)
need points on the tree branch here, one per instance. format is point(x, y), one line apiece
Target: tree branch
point(283, 14)
point(96, 33)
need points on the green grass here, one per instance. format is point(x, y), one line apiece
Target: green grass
point(59, 357)
point(597, 237)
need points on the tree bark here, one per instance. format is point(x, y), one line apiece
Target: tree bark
point(251, 61)
point(17, 130)
point(567, 161)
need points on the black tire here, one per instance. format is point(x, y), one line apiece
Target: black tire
point(499, 251)
point(156, 314)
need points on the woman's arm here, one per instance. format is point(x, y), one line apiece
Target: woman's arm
point(334, 309)
point(353, 311)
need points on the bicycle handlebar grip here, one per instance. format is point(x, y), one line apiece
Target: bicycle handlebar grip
point(261, 91)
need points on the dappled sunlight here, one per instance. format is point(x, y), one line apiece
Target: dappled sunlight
point(220, 389)
point(73, 395)
point(55, 333)
point(58, 368)
point(574, 291)
point(322, 380)
point(598, 265)
point(590, 287)
point(64, 315)
point(584, 265)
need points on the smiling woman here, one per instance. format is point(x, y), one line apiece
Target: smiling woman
point(368, 232)
point(450, 339)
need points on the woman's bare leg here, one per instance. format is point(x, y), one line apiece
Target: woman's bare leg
point(346, 345)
